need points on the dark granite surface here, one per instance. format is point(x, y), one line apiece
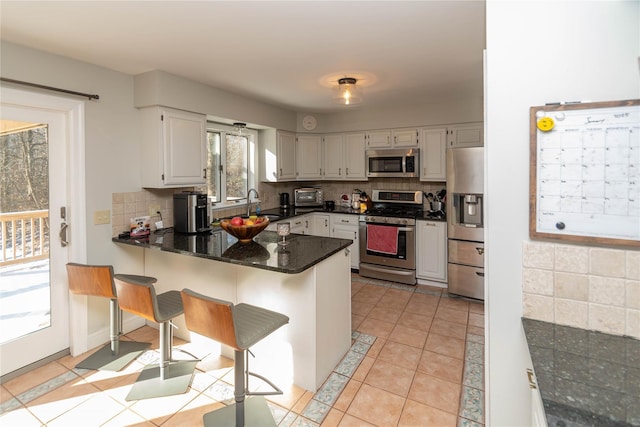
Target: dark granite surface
point(264, 252)
point(289, 213)
point(586, 378)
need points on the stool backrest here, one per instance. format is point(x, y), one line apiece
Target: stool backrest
point(137, 298)
point(93, 280)
point(209, 317)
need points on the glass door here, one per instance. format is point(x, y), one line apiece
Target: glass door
point(34, 309)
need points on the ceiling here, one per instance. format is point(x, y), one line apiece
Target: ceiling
point(288, 54)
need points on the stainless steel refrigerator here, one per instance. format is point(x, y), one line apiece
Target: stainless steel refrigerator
point(465, 228)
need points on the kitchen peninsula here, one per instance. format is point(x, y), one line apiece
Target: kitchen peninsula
point(308, 280)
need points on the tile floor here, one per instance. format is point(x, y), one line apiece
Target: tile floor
point(416, 360)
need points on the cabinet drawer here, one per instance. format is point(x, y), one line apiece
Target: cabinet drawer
point(465, 280)
point(467, 253)
point(344, 219)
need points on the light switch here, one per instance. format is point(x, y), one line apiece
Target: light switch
point(102, 217)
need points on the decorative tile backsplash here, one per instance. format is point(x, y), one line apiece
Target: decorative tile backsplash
point(134, 204)
point(581, 286)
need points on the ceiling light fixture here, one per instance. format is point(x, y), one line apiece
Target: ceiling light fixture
point(347, 91)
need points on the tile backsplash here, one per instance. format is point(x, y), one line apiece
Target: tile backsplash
point(133, 204)
point(581, 286)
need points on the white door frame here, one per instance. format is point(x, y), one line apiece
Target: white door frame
point(76, 234)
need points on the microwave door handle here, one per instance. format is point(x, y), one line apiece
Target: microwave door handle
point(404, 164)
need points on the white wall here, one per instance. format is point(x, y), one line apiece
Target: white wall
point(537, 52)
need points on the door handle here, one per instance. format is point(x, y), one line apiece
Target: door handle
point(480, 251)
point(480, 274)
point(63, 234)
point(405, 229)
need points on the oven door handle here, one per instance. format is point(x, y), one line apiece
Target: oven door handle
point(405, 229)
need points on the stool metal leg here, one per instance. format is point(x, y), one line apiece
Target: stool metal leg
point(249, 412)
point(167, 377)
point(117, 354)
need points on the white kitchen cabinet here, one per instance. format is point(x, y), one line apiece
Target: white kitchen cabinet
point(174, 148)
point(354, 157)
point(277, 156)
point(346, 227)
point(320, 224)
point(379, 139)
point(309, 161)
point(405, 138)
point(431, 250)
point(433, 154)
point(344, 157)
point(467, 135)
point(300, 224)
point(333, 149)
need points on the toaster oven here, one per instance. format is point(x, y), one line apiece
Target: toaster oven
point(308, 197)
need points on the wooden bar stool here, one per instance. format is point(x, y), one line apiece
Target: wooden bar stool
point(168, 377)
point(240, 327)
point(98, 281)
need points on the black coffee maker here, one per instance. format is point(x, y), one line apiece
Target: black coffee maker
point(284, 201)
point(190, 213)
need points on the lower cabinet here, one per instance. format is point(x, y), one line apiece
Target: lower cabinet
point(431, 250)
point(346, 227)
point(320, 225)
point(300, 224)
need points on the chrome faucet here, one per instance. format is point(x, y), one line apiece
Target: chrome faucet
point(249, 200)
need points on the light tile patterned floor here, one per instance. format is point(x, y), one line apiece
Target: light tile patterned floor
point(417, 359)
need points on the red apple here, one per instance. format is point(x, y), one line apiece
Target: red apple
point(236, 220)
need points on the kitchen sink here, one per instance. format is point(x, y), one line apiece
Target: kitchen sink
point(273, 217)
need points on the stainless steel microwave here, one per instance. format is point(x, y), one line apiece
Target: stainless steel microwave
point(397, 162)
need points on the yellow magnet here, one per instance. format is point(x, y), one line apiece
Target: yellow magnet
point(545, 124)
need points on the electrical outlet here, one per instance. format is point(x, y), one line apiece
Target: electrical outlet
point(153, 210)
point(102, 217)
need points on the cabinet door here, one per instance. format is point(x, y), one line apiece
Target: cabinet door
point(379, 139)
point(286, 155)
point(300, 225)
point(405, 137)
point(333, 157)
point(433, 150)
point(184, 147)
point(347, 232)
point(354, 158)
point(431, 254)
point(320, 225)
point(471, 135)
point(308, 157)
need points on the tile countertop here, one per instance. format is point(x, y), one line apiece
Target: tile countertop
point(263, 252)
point(585, 377)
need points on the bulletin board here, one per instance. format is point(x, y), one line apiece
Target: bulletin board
point(585, 172)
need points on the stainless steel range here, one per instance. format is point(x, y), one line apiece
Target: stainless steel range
point(387, 236)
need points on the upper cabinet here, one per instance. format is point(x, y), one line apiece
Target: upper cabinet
point(174, 147)
point(433, 150)
point(309, 164)
point(344, 156)
point(277, 156)
point(379, 139)
point(468, 135)
point(405, 137)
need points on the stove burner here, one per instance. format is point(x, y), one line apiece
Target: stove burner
point(395, 211)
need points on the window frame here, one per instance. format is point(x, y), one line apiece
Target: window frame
point(252, 171)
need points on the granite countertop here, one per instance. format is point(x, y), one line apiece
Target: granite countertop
point(585, 377)
point(263, 252)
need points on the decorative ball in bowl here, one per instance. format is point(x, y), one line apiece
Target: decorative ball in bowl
point(245, 229)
